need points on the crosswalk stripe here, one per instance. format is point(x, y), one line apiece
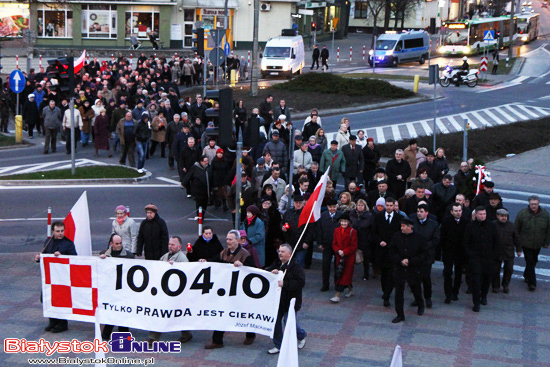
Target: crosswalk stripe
point(412, 131)
point(542, 111)
point(493, 116)
point(455, 123)
point(396, 133)
point(481, 119)
point(526, 110)
point(426, 127)
point(441, 126)
point(519, 114)
point(473, 124)
point(380, 135)
point(38, 167)
point(505, 114)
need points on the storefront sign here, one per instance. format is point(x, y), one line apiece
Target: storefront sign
point(157, 296)
point(216, 12)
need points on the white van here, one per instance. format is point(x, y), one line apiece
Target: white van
point(283, 56)
point(392, 49)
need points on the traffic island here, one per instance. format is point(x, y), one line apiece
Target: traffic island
point(83, 175)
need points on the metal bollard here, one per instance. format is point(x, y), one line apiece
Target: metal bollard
point(416, 81)
point(49, 230)
point(200, 220)
point(18, 129)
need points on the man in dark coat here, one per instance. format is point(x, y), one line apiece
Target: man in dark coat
point(461, 177)
point(266, 111)
point(452, 251)
point(482, 199)
point(407, 253)
point(57, 245)
point(411, 205)
point(206, 246)
point(198, 110)
point(324, 58)
point(443, 194)
point(429, 229)
point(189, 155)
point(292, 232)
point(434, 171)
point(315, 57)
point(398, 170)
point(174, 128)
point(31, 116)
point(509, 243)
point(371, 158)
point(354, 161)
point(199, 179)
point(481, 244)
point(382, 192)
point(152, 235)
point(386, 224)
point(324, 233)
point(292, 285)
point(180, 142)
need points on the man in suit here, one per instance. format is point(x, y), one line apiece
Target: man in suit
point(354, 161)
point(324, 232)
point(386, 224)
point(382, 192)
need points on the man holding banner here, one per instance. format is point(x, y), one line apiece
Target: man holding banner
point(57, 245)
point(292, 284)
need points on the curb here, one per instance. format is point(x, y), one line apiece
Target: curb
point(148, 175)
point(360, 108)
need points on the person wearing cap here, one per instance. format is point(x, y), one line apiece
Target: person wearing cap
point(211, 148)
point(379, 175)
point(333, 158)
point(398, 172)
point(205, 137)
point(31, 116)
point(324, 234)
point(495, 203)
point(481, 245)
point(152, 235)
point(277, 148)
point(482, 199)
point(434, 171)
point(258, 173)
point(272, 223)
point(385, 224)
point(249, 246)
point(533, 226)
point(344, 245)
point(509, 245)
point(292, 232)
point(407, 252)
point(380, 206)
point(354, 161)
point(138, 110)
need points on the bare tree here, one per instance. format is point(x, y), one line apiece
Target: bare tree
point(375, 7)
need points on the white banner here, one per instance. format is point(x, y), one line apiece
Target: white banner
point(157, 296)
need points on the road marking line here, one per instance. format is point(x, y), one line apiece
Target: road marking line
point(525, 193)
point(169, 180)
point(472, 123)
point(519, 114)
point(526, 110)
point(412, 130)
point(517, 201)
point(493, 116)
point(396, 133)
point(541, 110)
point(426, 127)
point(441, 126)
point(506, 115)
point(455, 123)
point(37, 167)
point(481, 119)
point(380, 135)
point(93, 186)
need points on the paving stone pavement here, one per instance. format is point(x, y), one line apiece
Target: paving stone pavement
point(513, 330)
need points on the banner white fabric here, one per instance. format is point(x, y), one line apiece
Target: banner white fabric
point(157, 296)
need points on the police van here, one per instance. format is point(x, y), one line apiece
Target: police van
point(283, 56)
point(392, 49)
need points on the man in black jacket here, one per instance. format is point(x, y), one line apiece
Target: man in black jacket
point(429, 229)
point(382, 192)
point(509, 243)
point(386, 224)
point(481, 244)
point(371, 157)
point(189, 155)
point(292, 284)
point(199, 179)
point(206, 246)
point(315, 57)
point(324, 234)
point(354, 161)
point(152, 235)
point(398, 170)
point(452, 248)
point(292, 232)
point(407, 252)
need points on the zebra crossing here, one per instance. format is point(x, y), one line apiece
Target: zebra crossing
point(478, 119)
point(48, 166)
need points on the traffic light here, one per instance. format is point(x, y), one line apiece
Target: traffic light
point(198, 41)
point(61, 73)
point(313, 26)
point(223, 115)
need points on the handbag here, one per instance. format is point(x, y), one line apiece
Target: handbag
point(359, 257)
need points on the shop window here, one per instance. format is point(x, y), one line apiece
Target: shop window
point(55, 21)
point(361, 10)
point(14, 18)
point(142, 20)
point(99, 21)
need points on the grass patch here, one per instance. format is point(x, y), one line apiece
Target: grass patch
point(88, 172)
point(326, 83)
point(6, 141)
point(384, 76)
point(486, 144)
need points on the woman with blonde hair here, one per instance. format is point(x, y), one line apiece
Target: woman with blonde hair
point(342, 137)
point(321, 138)
point(345, 204)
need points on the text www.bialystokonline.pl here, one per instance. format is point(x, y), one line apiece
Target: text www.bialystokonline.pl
point(84, 361)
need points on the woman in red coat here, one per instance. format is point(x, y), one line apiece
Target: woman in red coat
point(344, 245)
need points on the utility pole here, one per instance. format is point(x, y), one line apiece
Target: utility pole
point(512, 30)
point(254, 61)
point(29, 36)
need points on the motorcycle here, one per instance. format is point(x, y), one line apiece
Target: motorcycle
point(451, 75)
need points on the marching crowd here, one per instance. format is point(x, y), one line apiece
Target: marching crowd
point(394, 221)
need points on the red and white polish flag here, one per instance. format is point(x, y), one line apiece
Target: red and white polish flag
point(79, 63)
point(77, 226)
point(314, 202)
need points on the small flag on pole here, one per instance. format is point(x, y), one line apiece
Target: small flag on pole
point(397, 360)
point(314, 202)
point(77, 226)
point(288, 355)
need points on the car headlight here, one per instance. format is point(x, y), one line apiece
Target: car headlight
point(389, 53)
point(524, 38)
point(263, 68)
point(285, 67)
point(441, 50)
point(467, 50)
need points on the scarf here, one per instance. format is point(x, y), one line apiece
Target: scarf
point(206, 239)
point(314, 146)
point(250, 220)
point(120, 221)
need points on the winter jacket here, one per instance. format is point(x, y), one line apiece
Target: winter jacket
point(203, 249)
point(337, 167)
point(52, 117)
point(354, 161)
point(199, 178)
point(255, 232)
point(159, 129)
point(278, 151)
point(128, 231)
point(293, 283)
point(533, 229)
point(509, 242)
point(412, 247)
point(152, 238)
point(302, 158)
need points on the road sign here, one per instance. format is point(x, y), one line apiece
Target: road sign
point(488, 35)
point(227, 49)
point(483, 65)
point(216, 56)
point(17, 81)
